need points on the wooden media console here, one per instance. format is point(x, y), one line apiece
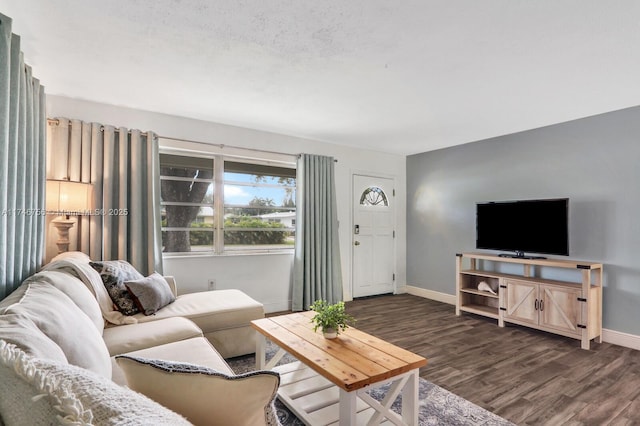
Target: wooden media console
point(568, 308)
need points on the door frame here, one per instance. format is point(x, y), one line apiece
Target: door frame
point(394, 216)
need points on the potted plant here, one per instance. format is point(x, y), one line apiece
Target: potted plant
point(330, 318)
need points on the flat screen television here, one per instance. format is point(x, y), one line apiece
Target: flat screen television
point(534, 226)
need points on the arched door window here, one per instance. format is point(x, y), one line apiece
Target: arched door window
point(374, 196)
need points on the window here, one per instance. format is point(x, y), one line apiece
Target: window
point(373, 196)
point(215, 204)
point(186, 193)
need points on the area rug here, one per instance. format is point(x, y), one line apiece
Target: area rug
point(437, 406)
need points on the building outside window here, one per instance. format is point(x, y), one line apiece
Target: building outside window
point(214, 204)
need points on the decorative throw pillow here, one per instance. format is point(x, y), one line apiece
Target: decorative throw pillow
point(150, 293)
point(43, 392)
point(114, 273)
point(202, 394)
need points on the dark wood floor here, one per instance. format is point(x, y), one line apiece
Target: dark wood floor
point(525, 376)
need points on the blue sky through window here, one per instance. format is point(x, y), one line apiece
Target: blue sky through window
point(242, 194)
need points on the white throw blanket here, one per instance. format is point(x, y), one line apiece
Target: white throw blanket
point(78, 265)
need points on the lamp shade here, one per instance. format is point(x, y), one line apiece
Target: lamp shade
point(70, 198)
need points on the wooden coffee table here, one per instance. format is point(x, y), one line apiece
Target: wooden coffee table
point(330, 383)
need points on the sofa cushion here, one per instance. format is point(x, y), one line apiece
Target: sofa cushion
point(150, 293)
point(204, 396)
point(76, 290)
point(212, 310)
point(72, 395)
point(55, 314)
point(132, 337)
point(78, 265)
point(197, 350)
point(114, 273)
point(22, 332)
point(72, 255)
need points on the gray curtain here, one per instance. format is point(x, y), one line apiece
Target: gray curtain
point(123, 166)
point(317, 273)
point(22, 153)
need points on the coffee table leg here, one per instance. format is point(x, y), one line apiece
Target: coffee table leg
point(261, 347)
point(410, 399)
point(347, 407)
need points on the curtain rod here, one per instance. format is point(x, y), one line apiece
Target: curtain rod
point(220, 145)
point(57, 122)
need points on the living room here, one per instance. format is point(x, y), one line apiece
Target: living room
point(560, 143)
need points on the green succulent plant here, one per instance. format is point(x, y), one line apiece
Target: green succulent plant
point(330, 316)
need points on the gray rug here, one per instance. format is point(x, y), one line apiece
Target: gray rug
point(437, 405)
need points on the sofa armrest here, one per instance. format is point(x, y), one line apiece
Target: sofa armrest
point(172, 285)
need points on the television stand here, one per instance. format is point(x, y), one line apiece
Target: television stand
point(571, 307)
point(520, 255)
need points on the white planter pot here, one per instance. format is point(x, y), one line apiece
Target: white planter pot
point(330, 333)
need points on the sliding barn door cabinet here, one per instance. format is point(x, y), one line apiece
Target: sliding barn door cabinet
point(568, 307)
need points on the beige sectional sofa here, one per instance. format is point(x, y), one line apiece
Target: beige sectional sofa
point(58, 325)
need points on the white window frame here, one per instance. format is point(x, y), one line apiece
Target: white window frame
point(218, 200)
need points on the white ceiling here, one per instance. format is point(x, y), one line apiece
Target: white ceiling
point(394, 76)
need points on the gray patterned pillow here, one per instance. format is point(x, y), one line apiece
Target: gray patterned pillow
point(114, 273)
point(150, 293)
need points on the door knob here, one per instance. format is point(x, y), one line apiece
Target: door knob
point(356, 243)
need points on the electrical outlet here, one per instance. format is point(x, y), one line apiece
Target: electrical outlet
point(212, 284)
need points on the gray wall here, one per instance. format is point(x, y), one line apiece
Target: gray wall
point(593, 161)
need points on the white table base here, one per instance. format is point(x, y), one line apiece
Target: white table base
point(317, 401)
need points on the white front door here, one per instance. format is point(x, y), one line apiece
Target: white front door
point(373, 236)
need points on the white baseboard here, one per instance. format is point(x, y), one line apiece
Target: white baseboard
point(430, 294)
point(619, 338)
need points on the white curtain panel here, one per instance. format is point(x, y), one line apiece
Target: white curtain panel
point(317, 273)
point(22, 161)
point(123, 166)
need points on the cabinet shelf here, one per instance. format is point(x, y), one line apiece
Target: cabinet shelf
point(483, 310)
point(480, 273)
point(499, 275)
point(479, 292)
point(568, 308)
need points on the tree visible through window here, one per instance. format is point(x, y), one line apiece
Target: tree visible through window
point(252, 207)
point(183, 187)
point(267, 218)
